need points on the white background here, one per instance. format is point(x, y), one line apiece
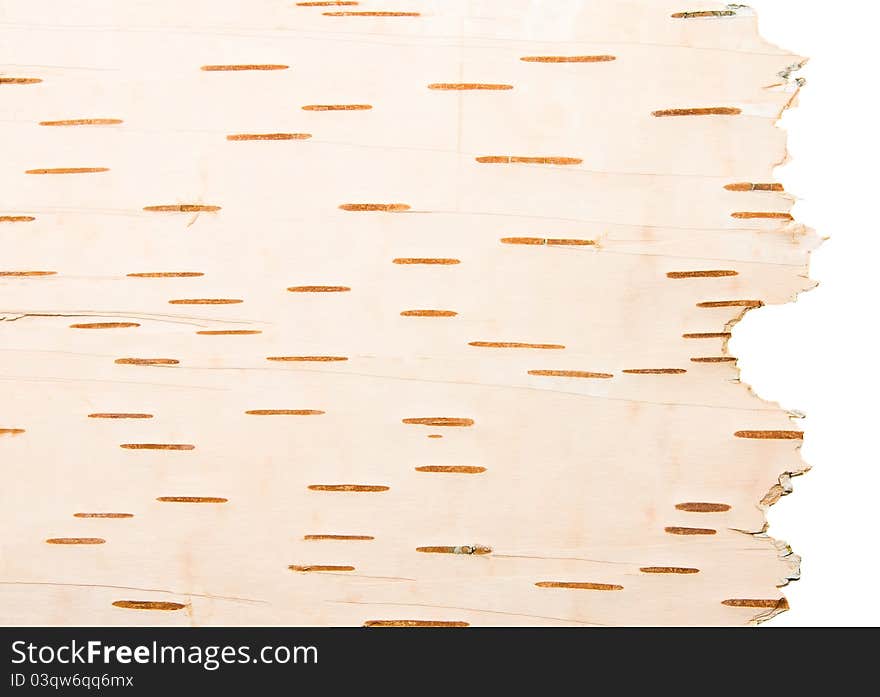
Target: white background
point(818, 355)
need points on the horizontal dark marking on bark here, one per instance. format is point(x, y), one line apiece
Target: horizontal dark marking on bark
point(229, 332)
point(67, 170)
point(356, 488)
point(182, 208)
point(157, 446)
point(770, 604)
point(571, 374)
point(428, 313)
point(120, 415)
point(307, 359)
point(439, 421)
point(771, 435)
point(702, 274)
point(337, 107)
point(148, 605)
point(320, 567)
point(375, 207)
point(82, 122)
point(762, 215)
point(580, 585)
point(701, 507)
point(514, 344)
point(206, 301)
point(732, 303)
point(103, 515)
point(353, 538)
point(549, 241)
point(166, 274)
point(284, 412)
point(192, 499)
point(269, 136)
point(702, 111)
point(76, 541)
point(105, 325)
point(469, 86)
point(655, 371)
point(668, 570)
point(521, 159)
point(245, 66)
point(450, 469)
point(568, 59)
point(690, 531)
point(750, 186)
point(434, 261)
point(147, 361)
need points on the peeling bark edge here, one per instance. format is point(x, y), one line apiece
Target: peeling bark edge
point(783, 486)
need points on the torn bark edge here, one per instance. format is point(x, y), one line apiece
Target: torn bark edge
point(783, 486)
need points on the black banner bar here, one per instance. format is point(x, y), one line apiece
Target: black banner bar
point(77, 661)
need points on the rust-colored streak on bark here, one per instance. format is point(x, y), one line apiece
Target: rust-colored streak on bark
point(466, 550)
point(414, 623)
point(707, 335)
point(434, 435)
point(229, 332)
point(571, 374)
point(206, 301)
point(319, 567)
point(307, 359)
point(549, 241)
point(327, 3)
point(375, 207)
point(704, 13)
point(372, 14)
point(182, 208)
point(469, 86)
point(76, 541)
point(732, 303)
point(244, 66)
point(352, 538)
point(428, 313)
point(568, 59)
point(668, 570)
point(356, 488)
point(192, 499)
point(11, 431)
point(702, 111)
point(103, 515)
point(17, 218)
point(655, 371)
point(284, 412)
point(431, 261)
point(450, 469)
point(690, 531)
point(157, 446)
point(23, 274)
point(714, 359)
point(439, 421)
point(521, 159)
point(167, 274)
point(337, 107)
point(777, 604)
point(585, 586)
point(269, 136)
point(105, 325)
point(515, 345)
point(120, 415)
point(319, 289)
point(770, 435)
point(148, 605)
point(67, 170)
point(82, 122)
point(702, 507)
point(702, 274)
point(19, 80)
point(751, 186)
point(762, 215)
point(147, 361)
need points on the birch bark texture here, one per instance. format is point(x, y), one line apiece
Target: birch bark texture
point(391, 312)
